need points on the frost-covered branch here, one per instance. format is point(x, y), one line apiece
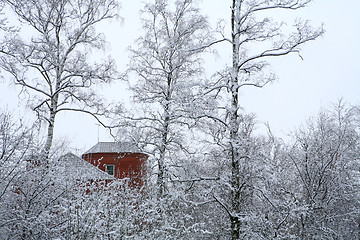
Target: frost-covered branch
point(53, 64)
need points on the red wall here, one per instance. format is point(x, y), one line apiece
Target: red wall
point(127, 165)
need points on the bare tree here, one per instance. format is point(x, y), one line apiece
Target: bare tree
point(54, 67)
point(168, 66)
point(168, 70)
point(326, 157)
point(2, 20)
point(16, 146)
point(263, 38)
point(4, 23)
point(15, 143)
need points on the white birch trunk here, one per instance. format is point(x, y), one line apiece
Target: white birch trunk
point(234, 148)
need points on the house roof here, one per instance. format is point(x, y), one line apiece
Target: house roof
point(113, 147)
point(71, 167)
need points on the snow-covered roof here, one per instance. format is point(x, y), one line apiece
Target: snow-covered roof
point(71, 167)
point(113, 147)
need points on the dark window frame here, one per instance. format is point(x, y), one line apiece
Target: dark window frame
point(110, 171)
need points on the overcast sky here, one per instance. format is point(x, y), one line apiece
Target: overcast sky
point(330, 70)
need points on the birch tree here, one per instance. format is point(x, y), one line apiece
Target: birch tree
point(250, 25)
point(168, 68)
point(53, 64)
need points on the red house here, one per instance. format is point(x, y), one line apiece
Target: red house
point(120, 160)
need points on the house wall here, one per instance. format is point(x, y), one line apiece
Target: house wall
point(127, 165)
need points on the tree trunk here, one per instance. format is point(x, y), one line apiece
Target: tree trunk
point(50, 136)
point(235, 228)
point(51, 122)
point(164, 139)
point(234, 125)
point(161, 164)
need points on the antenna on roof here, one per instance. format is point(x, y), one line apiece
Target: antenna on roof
point(98, 140)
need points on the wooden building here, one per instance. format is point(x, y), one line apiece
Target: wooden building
point(120, 160)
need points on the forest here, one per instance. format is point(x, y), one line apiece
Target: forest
point(210, 174)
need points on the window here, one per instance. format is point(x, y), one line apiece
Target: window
point(110, 169)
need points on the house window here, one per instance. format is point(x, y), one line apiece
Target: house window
point(110, 169)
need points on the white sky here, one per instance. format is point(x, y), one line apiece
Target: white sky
point(330, 70)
